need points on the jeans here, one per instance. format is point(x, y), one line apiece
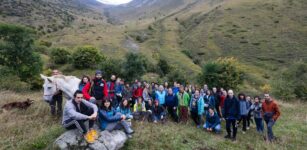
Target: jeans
point(173, 113)
point(270, 123)
point(229, 123)
point(216, 128)
point(259, 124)
point(56, 102)
point(244, 119)
point(196, 118)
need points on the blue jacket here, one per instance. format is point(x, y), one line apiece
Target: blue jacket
point(209, 101)
point(212, 121)
point(125, 111)
point(231, 108)
point(175, 90)
point(200, 104)
point(81, 86)
point(161, 97)
point(244, 107)
point(106, 117)
point(257, 109)
point(171, 100)
point(119, 88)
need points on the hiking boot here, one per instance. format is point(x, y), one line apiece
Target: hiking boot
point(89, 138)
point(227, 136)
point(129, 131)
point(233, 139)
point(93, 133)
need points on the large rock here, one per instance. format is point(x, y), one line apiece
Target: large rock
point(72, 139)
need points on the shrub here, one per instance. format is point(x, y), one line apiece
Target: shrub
point(135, 66)
point(165, 68)
point(178, 76)
point(224, 72)
point(112, 66)
point(86, 57)
point(17, 52)
point(60, 56)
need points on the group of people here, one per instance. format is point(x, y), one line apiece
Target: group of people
point(115, 103)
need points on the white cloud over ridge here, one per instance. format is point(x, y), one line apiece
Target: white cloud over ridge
point(114, 2)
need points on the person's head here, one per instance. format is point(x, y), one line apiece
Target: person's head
point(205, 87)
point(147, 86)
point(170, 91)
point(113, 77)
point(202, 91)
point(214, 89)
point(175, 84)
point(257, 99)
point(55, 72)
point(150, 102)
point(98, 74)
point(196, 93)
point(78, 96)
point(127, 85)
point(211, 110)
point(125, 103)
point(248, 98)
point(156, 102)
point(140, 100)
point(208, 92)
point(85, 79)
point(181, 88)
point(267, 97)
point(139, 84)
point(230, 93)
point(224, 92)
point(165, 84)
point(241, 96)
point(107, 104)
point(161, 88)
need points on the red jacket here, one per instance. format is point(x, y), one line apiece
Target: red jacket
point(268, 107)
point(87, 88)
point(137, 92)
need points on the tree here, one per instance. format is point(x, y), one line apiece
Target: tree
point(165, 68)
point(224, 72)
point(178, 76)
point(135, 66)
point(112, 66)
point(60, 56)
point(86, 57)
point(17, 52)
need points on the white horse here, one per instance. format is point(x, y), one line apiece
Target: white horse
point(67, 84)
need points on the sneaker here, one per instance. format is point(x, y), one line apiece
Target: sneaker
point(94, 133)
point(247, 128)
point(89, 138)
point(243, 132)
point(227, 137)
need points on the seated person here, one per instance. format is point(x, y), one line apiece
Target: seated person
point(124, 108)
point(111, 120)
point(139, 109)
point(158, 112)
point(212, 121)
point(76, 112)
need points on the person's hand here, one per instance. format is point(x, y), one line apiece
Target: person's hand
point(207, 129)
point(93, 116)
point(123, 117)
point(210, 129)
point(174, 108)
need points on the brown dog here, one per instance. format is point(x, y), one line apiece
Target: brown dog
point(20, 105)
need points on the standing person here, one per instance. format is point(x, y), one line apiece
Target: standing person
point(231, 114)
point(244, 109)
point(165, 86)
point(146, 94)
point(249, 114)
point(183, 98)
point(111, 120)
point(216, 94)
point(222, 100)
point(209, 101)
point(98, 88)
point(127, 92)
point(57, 99)
point(205, 88)
point(271, 113)
point(256, 108)
point(158, 112)
point(119, 88)
point(197, 108)
point(111, 89)
point(76, 112)
point(213, 122)
point(171, 103)
point(175, 88)
point(85, 79)
point(137, 92)
point(160, 95)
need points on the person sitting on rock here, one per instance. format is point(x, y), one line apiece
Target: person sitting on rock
point(111, 120)
point(76, 112)
point(124, 108)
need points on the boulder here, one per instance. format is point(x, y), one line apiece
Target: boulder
point(72, 139)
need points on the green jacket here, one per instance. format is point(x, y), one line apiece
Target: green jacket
point(183, 99)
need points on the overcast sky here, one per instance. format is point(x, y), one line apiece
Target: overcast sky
point(114, 2)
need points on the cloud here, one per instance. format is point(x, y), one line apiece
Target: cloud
point(114, 2)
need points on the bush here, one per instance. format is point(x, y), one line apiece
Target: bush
point(112, 66)
point(223, 72)
point(165, 68)
point(60, 56)
point(17, 52)
point(178, 76)
point(86, 57)
point(135, 66)
point(291, 83)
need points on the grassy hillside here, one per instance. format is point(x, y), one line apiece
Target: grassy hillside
point(36, 129)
